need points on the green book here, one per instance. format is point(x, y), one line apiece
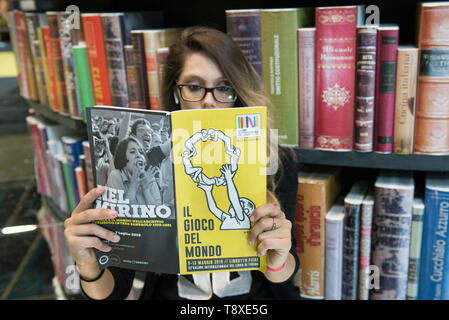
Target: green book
point(68, 184)
point(278, 29)
point(82, 72)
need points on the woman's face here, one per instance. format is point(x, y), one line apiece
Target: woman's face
point(202, 71)
point(135, 156)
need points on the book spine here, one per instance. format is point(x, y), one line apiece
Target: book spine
point(80, 181)
point(93, 35)
point(82, 72)
point(88, 165)
point(68, 184)
point(391, 241)
point(72, 151)
point(365, 89)
point(350, 251)
point(306, 72)
point(432, 106)
point(404, 114)
point(152, 41)
point(67, 62)
point(366, 219)
point(40, 56)
point(141, 70)
point(280, 67)
point(415, 249)
point(434, 273)
point(13, 36)
point(387, 45)
point(23, 76)
point(334, 259)
point(56, 54)
point(243, 26)
point(31, 76)
point(53, 97)
point(31, 22)
point(131, 78)
point(335, 77)
point(113, 39)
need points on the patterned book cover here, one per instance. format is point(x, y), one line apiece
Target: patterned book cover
point(334, 250)
point(318, 189)
point(366, 221)
point(365, 88)
point(387, 46)
point(58, 67)
point(415, 248)
point(279, 29)
point(113, 28)
point(394, 191)
point(306, 72)
point(352, 209)
point(243, 26)
point(335, 77)
point(432, 106)
point(93, 35)
point(434, 271)
point(404, 113)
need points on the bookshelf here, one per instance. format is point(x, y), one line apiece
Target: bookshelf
point(47, 113)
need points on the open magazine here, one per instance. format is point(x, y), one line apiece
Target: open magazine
point(184, 184)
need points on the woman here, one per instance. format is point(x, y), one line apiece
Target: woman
point(204, 69)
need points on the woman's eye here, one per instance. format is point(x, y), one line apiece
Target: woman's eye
point(194, 87)
point(224, 89)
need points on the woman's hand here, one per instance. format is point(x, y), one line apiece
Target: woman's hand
point(273, 231)
point(82, 235)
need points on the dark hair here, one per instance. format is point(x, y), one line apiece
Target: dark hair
point(136, 123)
point(120, 160)
point(225, 52)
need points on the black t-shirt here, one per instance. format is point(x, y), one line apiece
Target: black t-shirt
point(165, 286)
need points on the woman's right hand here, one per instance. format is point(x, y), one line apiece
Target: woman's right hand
point(82, 235)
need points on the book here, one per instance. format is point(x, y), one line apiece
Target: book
point(83, 79)
point(365, 88)
point(415, 248)
point(394, 192)
point(405, 99)
point(131, 77)
point(387, 46)
point(352, 208)
point(335, 58)
point(432, 111)
point(137, 42)
point(278, 29)
point(19, 26)
point(44, 66)
point(180, 185)
point(318, 189)
point(306, 89)
point(433, 274)
point(93, 35)
point(53, 96)
point(243, 26)
point(72, 149)
point(366, 220)
point(334, 250)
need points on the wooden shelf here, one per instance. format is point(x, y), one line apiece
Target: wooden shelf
point(415, 162)
point(65, 120)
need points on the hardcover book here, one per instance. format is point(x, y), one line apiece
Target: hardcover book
point(184, 185)
point(335, 58)
point(415, 248)
point(392, 222)
point(434, 275)
point(432, 106)
point(387, 46)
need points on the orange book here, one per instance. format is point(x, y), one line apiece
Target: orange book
point(53, 97)
point(81, 181)
point(93, 35)
point(432, 107)
point(318, 189)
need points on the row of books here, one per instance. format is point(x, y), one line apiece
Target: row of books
point(338, 84)
point(62, 163)
point(383, 240)
point(109, 59)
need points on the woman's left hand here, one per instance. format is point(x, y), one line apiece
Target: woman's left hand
point(273, 230)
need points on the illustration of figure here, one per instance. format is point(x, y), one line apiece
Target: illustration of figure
point(240, 209)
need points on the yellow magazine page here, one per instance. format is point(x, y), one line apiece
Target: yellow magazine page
point(220, 178)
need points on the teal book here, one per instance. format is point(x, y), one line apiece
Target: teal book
point(279, 29)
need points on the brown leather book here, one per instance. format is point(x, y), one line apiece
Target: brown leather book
point(432, 107)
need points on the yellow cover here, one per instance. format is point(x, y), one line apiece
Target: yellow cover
point(209, 238)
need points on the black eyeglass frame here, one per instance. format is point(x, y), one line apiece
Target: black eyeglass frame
point(211, 90)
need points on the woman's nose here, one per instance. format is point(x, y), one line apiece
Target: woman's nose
point(208, 101)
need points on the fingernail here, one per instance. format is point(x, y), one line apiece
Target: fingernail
point(116, 238)
point(250, 242)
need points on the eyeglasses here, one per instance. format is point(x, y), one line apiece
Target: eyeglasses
point(194, 93)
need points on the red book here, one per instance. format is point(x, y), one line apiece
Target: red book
point(93, 35)
point(51, 71)
point(387, 51)
point(335, 56)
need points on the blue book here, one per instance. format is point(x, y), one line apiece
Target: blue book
point(73, 149)
point(434, 273)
